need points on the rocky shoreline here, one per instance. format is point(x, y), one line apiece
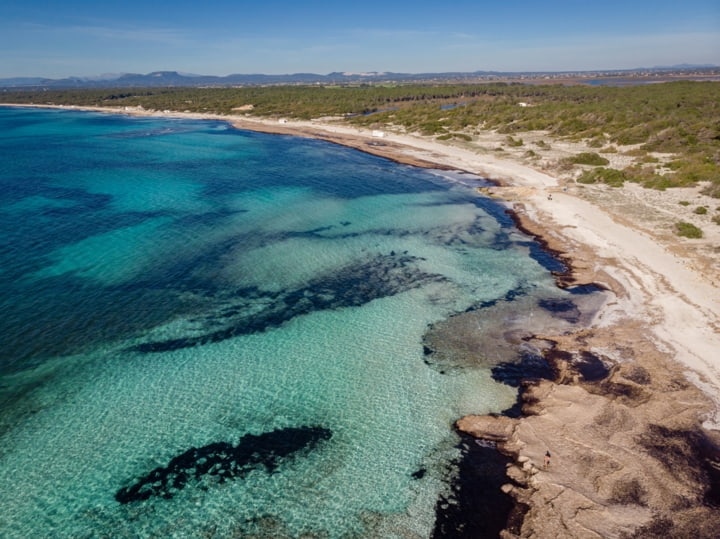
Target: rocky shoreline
point(629, 456)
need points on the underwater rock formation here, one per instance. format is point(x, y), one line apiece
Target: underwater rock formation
point(224, 461)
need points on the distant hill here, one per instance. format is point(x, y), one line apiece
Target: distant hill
point(176, 79)
point(173, 78)
point(685, 66)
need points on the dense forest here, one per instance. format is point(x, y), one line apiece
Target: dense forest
point(681, 118)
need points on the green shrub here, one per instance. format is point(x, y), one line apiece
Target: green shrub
point(701, 210)
point(587, 178)
point(542, 144)
point(514, 143)
point(633, 135)
point(687, 230)
point(648, 177)
point(676, 165)
point(684, 203)
point(610, 176)
point(432, 128)
point(659, 182)
point(588, 158)
point(609, 149)
point(571, 126)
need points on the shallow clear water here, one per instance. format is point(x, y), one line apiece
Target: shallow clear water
point(211, 331)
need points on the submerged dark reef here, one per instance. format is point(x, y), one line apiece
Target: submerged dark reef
point(224, 461)
point(351, 286)
point(477, 507)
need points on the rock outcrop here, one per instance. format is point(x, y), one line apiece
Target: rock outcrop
point(629, 457)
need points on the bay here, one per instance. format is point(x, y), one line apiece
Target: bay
point(219, 332)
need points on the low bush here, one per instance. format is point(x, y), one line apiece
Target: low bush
point(688, 230)
point(514, 142)
point(588, 158)
point(701, 210)
point(676, 165)
point(659, 182)
point(632, 135)
point(649, 177)
point(610, 176)
point(432, 128)
point(461, 136)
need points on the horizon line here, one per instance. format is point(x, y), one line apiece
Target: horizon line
point(360, 74)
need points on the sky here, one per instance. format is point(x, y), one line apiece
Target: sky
point(49, 38)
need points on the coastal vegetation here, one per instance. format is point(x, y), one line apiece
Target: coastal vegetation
point(588, 158)
point(688, 230)
point(676, 119)
point(610, 176)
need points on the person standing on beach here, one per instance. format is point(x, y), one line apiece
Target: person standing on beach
point(546, 464)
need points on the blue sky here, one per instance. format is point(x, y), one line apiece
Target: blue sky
point(85, 38)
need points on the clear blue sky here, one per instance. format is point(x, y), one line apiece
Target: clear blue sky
point(79, 37)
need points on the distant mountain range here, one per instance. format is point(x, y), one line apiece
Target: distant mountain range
point(174, 78)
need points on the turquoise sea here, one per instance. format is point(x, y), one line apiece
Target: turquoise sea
point(209, 332)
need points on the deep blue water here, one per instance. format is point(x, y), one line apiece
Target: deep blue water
point(213, 331)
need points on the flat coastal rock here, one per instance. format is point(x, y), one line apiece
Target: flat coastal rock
point(629, 456)
point(486, 427)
